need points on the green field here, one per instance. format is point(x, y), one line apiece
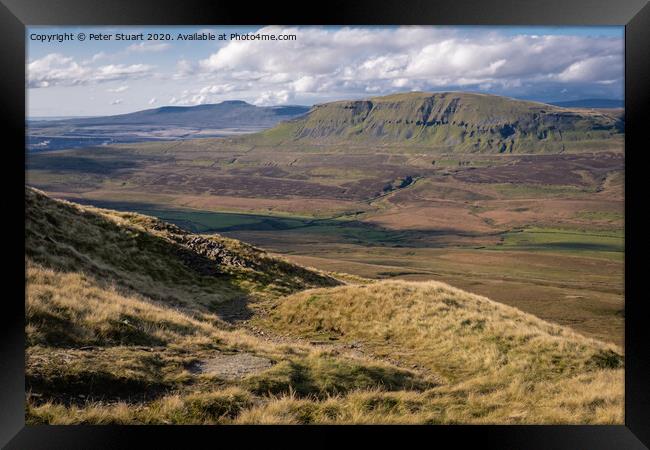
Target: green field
point(339, 230)
point(357, 232)
point(548, 239)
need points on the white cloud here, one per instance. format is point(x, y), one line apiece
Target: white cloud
point(273, 98)
point(407, 58)
point(118, 89)
point(98, 56)
point(595, 69)
point(56, 69)
point(308, 83)
point(213, 93)
point(117, 101)
point(187, 99)
point(153, 100)
point(184, 69)
point(120, 71)
point(325, 64)
point(217, 89)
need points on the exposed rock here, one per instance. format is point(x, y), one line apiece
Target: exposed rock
point(232, 367)
point(213, 250)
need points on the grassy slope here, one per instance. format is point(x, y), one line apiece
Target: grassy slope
point(104, 345)
point(117, 317)
point(452, 121)
point(155, 258)
point(484, 352)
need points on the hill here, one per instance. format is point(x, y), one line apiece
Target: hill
point(166, 123)
point(155, 258)
point(232, 113)
point(458, 335)
point(449, 121)
point(130, 320)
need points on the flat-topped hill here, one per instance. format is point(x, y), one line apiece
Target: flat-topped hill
point(450, 121)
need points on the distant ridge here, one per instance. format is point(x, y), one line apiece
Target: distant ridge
point(591, 103)
point(451, 121)
point(231, 113)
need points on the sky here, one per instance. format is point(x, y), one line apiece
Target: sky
point(105, 77)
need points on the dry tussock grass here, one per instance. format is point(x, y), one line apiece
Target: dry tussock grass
point(428, 353)
point(197, 409)
point(149, 256)
point(582, 403)
point(498, 363)
point(78, 344)
point(73, 308)
point(316, 386)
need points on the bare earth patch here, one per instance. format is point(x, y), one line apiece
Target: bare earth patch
point(232, 366)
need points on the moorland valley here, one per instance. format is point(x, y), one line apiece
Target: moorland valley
point(367, 212)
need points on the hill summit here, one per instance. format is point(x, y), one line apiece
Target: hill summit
point(454, 121)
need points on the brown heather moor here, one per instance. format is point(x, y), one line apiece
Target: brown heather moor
point(125, 312)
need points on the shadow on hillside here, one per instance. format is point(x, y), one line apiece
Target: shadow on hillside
point(232, 311)
point(87, 382)
point(328, 377)
point(61, 237)
point(292, 230)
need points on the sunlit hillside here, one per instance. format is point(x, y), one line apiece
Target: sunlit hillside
point(132, 320)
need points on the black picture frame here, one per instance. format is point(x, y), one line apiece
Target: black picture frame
point(15, 15)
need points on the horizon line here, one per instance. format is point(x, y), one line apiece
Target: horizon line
point(52, 117)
